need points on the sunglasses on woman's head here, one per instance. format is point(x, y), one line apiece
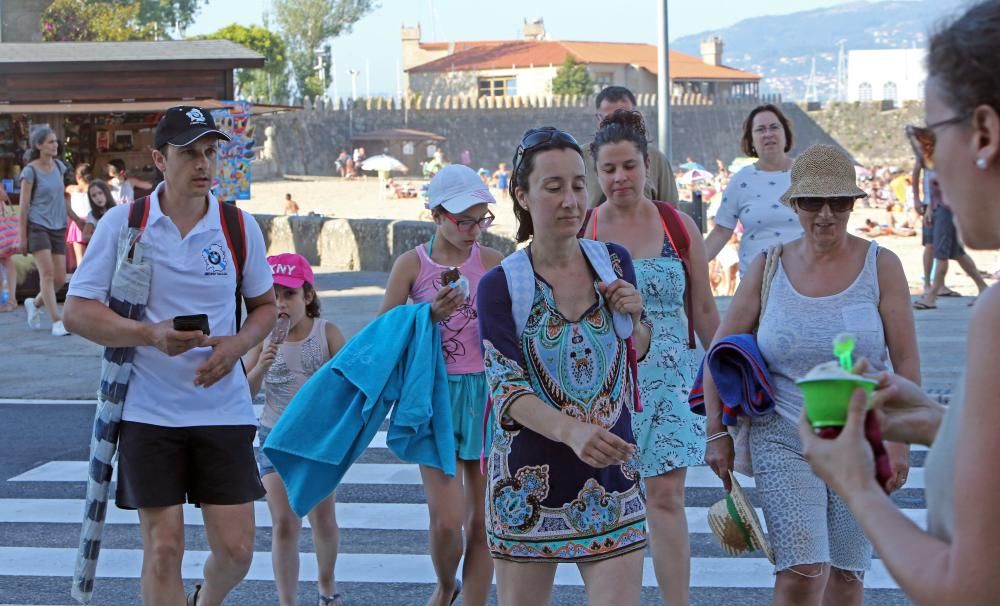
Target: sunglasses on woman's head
point(467, 224)
point(923, 139)
point(814, 205)
point(537, 137)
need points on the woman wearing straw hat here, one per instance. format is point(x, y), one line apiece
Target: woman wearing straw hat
point(955, 560)
point(827, 282)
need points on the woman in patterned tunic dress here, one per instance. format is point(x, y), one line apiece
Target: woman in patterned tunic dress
point(669, 436)
point(563, 481)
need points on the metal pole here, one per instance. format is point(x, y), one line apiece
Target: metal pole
point(663, 84)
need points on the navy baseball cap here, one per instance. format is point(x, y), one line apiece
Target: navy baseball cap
point(185, 124)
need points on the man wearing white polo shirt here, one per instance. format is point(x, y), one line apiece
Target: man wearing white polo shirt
point(188, 424)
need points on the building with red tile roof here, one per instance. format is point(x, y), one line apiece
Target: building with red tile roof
point(526, 67)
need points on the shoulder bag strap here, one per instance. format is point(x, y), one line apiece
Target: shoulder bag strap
point(772, 258)
point(673, 227)
point(235, 233)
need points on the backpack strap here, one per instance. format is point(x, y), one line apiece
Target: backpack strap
point(521, 286)
point(600, 259)
point(586, 221)
point(235, 232)
point(677, 234)
point(138, 216)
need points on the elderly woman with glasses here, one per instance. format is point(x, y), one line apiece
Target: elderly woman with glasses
point(825, 283)
point(955, 560)
point(751, 198)
point(562, 326)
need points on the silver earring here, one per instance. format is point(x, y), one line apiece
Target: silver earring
point(981, 163)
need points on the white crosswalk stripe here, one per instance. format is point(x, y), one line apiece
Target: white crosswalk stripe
point(385, 473)
point(386, 506)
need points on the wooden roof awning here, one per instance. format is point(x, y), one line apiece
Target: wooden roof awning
point(138, 107)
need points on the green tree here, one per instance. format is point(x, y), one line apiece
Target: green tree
point(572, 78)
point(306, 25)
point(82, 21)
point(167, 14)
point(271, 82)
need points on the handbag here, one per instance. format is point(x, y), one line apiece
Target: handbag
point(743, 462)
point(10, 232)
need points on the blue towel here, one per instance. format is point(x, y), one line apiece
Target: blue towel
point(394, 364)
point(741, 378)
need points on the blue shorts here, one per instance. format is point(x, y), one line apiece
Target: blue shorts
point(469, 393)
point(264, 465)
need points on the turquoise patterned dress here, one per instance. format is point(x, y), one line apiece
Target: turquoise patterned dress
point(668, 434)
point(543, 504)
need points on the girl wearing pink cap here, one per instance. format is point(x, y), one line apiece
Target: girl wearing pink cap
point(445, 272)
point(300, 344)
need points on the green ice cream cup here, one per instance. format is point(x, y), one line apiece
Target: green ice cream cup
point(827, 400)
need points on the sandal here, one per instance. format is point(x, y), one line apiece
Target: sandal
point(918, 305)
point(331, 600)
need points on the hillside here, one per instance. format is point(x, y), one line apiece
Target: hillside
point(781, 47)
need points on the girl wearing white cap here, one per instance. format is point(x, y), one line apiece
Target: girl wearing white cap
point(445, 272)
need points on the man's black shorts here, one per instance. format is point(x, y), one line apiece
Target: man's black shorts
point(946, 244)
point(163, 466)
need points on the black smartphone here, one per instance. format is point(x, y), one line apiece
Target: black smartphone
point(194, 322)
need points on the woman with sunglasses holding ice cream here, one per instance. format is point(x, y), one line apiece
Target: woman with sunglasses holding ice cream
point(825, 283)
point(955, 560)
point(562, 325)
point(445, 272)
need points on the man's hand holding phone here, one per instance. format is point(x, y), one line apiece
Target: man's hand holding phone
point(172, 341)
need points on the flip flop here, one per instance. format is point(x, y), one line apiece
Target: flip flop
point(331, 600)
point(919, 305)
point(458, 591)
point(950, 293)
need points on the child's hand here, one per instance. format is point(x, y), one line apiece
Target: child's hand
point(446, 302)
point(267, 355)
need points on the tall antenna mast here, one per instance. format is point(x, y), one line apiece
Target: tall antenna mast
point(841, 71)
point(811, 94)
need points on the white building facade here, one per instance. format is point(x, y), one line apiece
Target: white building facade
point(895, 75)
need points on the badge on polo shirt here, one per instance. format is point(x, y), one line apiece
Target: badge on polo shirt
point(214, 256)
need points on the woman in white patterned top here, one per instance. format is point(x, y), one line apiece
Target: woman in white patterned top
point(752, 196)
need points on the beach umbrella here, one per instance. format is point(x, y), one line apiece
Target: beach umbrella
point(694, 176)
point(692, 166)
point(383, 163)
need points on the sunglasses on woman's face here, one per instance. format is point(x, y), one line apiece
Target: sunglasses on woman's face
point(537, 137)
point(923, 139)
point(466, 225)
point(814, 205)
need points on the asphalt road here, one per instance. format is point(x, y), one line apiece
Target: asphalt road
point(383, 561)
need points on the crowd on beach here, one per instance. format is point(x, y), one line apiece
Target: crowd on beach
point(555, 397)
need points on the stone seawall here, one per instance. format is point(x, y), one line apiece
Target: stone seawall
point(356, 244)
point(362, 244)
point(307, 142)
point(872, 133)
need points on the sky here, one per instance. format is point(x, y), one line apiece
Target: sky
point(373, 47)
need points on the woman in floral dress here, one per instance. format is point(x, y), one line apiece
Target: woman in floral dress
point(669, 436)
point(563, 481)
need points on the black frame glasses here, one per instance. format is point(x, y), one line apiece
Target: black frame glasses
point(537, 137)
point(465, 225)
point(923, 139)
point(837, 204)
